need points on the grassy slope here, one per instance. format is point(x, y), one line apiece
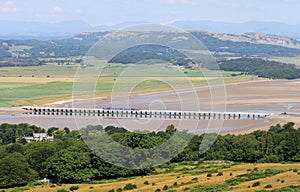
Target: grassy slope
point(184, 175)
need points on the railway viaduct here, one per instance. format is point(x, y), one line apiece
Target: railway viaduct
point(138, 114)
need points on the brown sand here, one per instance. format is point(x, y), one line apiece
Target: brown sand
point(11, 110)
point(272, 96)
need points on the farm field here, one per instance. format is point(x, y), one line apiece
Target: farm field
point(42, 85)
point(194, 176)
point(290, 60)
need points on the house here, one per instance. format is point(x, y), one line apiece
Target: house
point(39, 137)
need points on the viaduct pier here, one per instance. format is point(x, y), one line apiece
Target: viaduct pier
point(140, 114)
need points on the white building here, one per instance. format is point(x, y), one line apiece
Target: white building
point(39, 137)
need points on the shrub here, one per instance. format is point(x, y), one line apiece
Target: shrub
point(91, 187)
point(209, 175)
point(178, 177)
point(52, 185)
point(74, 187)
point(282, 181)
point(175, 184)
point(130, 186)
point(166, 187)
point(235, 181)
point(230, 174)
point(157, 190)
point(255, 184)
point(112, 190)
point(195, 179)
point(35, 183)
point(146, 183)
point(119, 190)
point(220, 174)
point(153, 184)
point(268, 186)
point(295, 170)
point(62, 190)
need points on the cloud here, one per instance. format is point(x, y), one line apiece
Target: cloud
point(57, 9)
point(8, 6)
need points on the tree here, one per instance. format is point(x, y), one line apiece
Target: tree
point(52, 130)
point(74, 188)
point(15, 171)
point(72, 166)
point(37, 155)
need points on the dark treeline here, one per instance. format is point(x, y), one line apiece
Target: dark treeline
point(20, 62)
point(261, 67)
point(69, 159)
point(141, 53)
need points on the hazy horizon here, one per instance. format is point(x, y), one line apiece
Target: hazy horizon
point(111, 12)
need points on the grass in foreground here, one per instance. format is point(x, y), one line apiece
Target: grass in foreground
point(194, 176)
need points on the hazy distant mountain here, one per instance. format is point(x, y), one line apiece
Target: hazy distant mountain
point(19, 29)
point(40, 30)
point(117, 26)
point(274, 28)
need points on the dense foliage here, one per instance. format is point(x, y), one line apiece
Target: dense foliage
point(20, 62)
point(12, 133)
point(142, 53)
point(69, 159)
point(261, 67)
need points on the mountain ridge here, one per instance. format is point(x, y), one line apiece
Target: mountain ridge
point(40, 30)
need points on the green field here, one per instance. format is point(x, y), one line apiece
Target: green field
point(14, 48)
point(40, 85)
point(290, 60)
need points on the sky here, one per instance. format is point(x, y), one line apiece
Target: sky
point(109, 12)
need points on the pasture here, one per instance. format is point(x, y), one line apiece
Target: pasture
point(40, 85)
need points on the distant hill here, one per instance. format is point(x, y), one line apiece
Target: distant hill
point(221, 45)
point(275, 28)
point(258, 38)
point(52, 31)
point(40, 30)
